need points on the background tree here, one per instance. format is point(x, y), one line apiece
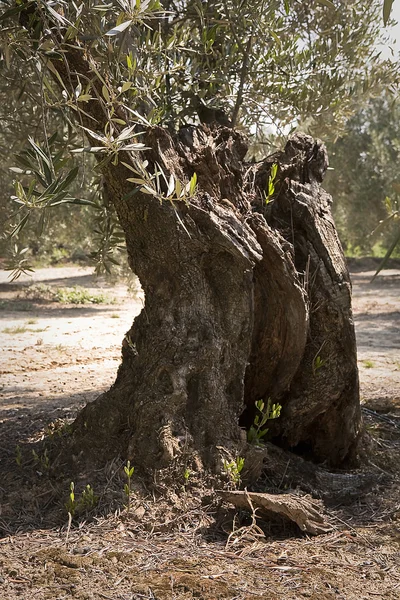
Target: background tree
point(365, 180)
point(247, 291)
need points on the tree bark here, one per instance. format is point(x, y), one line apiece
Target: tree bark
point(242, 301)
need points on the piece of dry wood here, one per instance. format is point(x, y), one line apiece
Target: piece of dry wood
point(303, 511)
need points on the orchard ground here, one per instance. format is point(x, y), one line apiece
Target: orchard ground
point(56, 356)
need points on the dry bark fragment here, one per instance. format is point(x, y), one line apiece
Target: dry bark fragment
point(302, 511)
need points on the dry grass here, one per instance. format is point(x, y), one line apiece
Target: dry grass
point(183, 543)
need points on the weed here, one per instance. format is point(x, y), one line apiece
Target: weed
point(186, 475)
point(70, 505)
point(257, 431)
point(78, 295)
point(74, 295)
point(368, 364)
point(31, 321)
point(22, 329)
point(318, 363)
point(42, 461)
point(374, 430)
point(115, 316)
point(85, 503)
point(271, 184)
point(88, 499)
point(39, 291)
point(128, 470)
point(15, 330)
point(233, 470)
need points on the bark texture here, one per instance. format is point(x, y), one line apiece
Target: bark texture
point(243, 301)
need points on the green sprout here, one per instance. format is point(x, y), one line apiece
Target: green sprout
point(128, 470)
point(271, 183)
point(233, 469)
point(258, 431)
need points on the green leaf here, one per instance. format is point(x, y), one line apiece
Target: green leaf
point(137, 146)
point(119, 28)
point(193, 184)
point(125, 134)
point(20, 225)
point(287, 8)
point(105, 93)
point(126, 86)
point(77, 201)
point(84, 98)
point(146, 190)
point(39, 152)
point(387, 9)
point(171, 185)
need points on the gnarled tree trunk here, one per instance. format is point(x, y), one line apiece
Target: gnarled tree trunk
point(243, 301)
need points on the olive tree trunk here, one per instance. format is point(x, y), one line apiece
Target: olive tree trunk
point(244, 300)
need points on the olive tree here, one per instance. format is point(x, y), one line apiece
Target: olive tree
point(247, 293)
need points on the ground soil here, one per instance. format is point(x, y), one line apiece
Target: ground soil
point(176, 545)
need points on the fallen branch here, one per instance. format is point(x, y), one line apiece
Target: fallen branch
point(302, 511)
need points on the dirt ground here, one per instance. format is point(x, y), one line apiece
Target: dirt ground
point(56, 357)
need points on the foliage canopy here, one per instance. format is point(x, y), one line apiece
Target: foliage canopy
point(254, 64)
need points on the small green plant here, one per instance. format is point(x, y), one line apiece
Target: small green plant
point(233, 470)
point(271, 184)
point(79, 295)
point(15, 330)
point(31, 321)
point(42, 461)
point(39, 291)
point(18, 456)
point(318, 363)
point(128, 470)
point(85, 503)
point(186, 475)
point(74, 295)
point(258, 431)
point(70, 505)
point(115, 316)
point(88, 500)
point(368, 364)
point(22, 329)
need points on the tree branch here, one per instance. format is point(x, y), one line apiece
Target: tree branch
point(243, 74)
